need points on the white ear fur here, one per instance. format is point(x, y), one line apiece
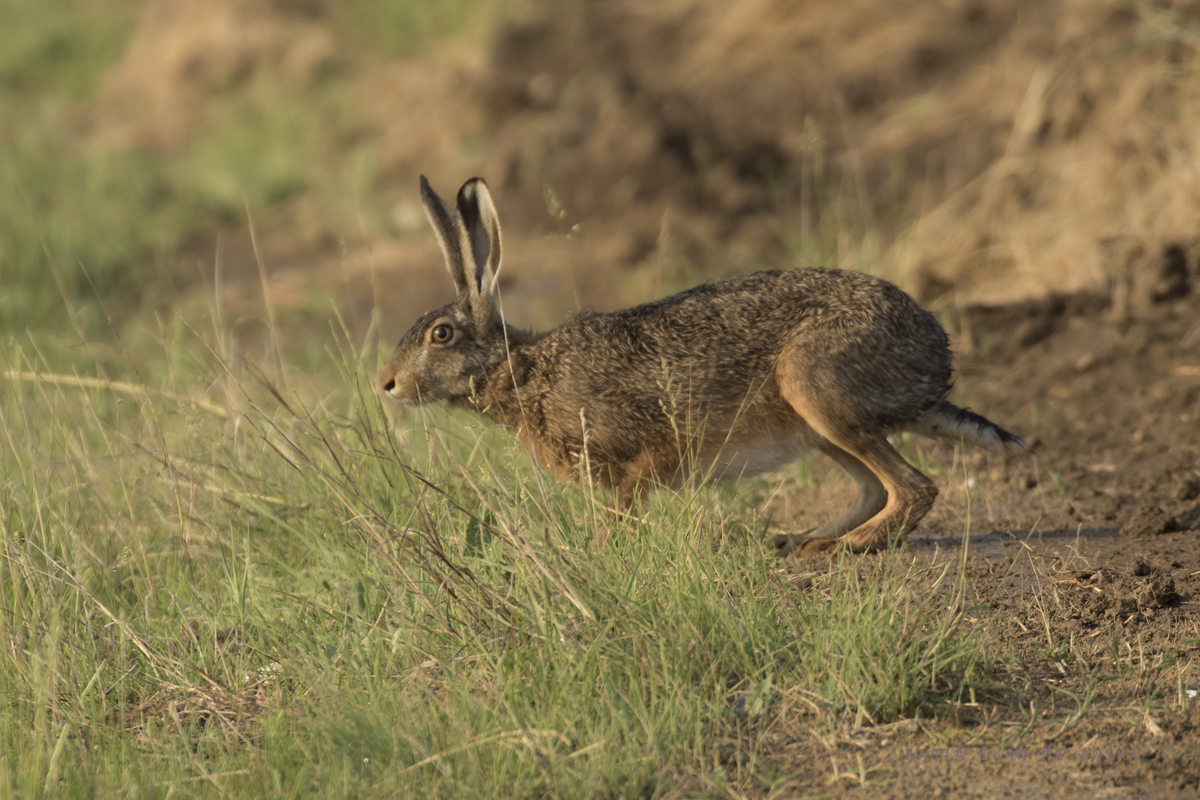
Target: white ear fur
point(447, 229)
point(480, 243)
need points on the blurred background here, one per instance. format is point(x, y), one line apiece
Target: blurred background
point(165, 157)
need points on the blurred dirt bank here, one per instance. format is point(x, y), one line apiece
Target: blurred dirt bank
point(978, 152)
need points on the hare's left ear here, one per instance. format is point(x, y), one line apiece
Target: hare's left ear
point(481, 245)
point(448, 231)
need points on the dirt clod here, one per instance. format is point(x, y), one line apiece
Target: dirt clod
point(1172, 280)
point(1157, 591)
point(1190, 519)
point(1149, 521)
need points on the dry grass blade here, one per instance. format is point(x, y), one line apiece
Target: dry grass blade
point(524, 735)
point(120, 387)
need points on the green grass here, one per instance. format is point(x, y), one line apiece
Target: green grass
point(70, 220)
point(116, 226)
point(234, 586)
point(124, 224)
point(52, 51)
point(52, 55)
point(399, 29)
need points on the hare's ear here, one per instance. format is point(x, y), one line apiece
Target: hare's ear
point(481, 230)
point(449, 237)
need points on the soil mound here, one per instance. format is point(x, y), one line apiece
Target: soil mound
point(184, 53)
point(976, 151)
point(1004, 143)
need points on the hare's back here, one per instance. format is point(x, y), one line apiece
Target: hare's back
point(718, 335)
point(758, 314)
point(725, 337)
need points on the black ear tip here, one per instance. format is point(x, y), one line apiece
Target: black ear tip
point(424, 184)
point(470, 195)
point(472, 187)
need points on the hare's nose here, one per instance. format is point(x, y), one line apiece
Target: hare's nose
point(389, 385)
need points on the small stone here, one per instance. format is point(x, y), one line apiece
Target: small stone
point(1189, 489)
point(1141, 569)
point(542, 90)
point(1085, 362)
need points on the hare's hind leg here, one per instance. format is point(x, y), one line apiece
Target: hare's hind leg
point(872, 498)
point(909, 494)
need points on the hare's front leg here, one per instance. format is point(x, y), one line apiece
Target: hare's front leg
point(635, 477)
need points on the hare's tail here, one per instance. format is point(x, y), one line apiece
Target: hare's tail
point(948, 421)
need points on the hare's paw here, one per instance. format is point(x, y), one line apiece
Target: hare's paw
point(819, 545)
point(875, 536)
point(785, 544)
point(780, 544)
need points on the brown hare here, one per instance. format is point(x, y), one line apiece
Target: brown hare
point(734, 377)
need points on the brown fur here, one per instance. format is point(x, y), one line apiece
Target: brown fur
point(732, 377)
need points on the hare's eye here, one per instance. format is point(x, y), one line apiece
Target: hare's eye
point(441, 334)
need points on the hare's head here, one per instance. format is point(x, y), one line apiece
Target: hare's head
point(448, 352)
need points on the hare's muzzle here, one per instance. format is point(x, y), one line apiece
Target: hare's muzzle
point(400, 385)
point(395, 391)
point(388, 384)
